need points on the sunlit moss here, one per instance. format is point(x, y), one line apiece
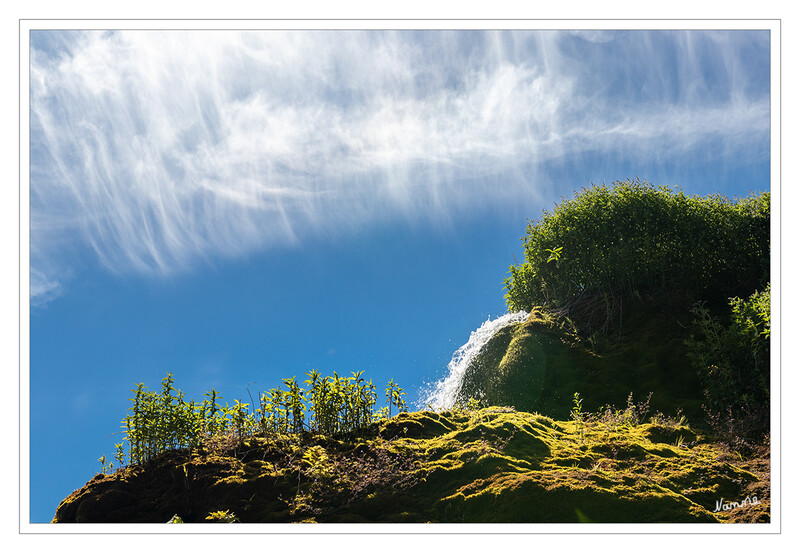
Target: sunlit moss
point(488, 465)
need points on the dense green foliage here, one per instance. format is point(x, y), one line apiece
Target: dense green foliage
point(165, 421)
point(733, 364)
point(611, 245)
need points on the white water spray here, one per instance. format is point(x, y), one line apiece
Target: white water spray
point(444, 395)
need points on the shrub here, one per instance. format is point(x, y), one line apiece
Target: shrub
point(165, 421)
point(160, 422)
point(733, 364)
point(611, 245)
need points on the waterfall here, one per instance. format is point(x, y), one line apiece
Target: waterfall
point(443, 395)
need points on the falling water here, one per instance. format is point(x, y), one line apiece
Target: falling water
point(445, 392)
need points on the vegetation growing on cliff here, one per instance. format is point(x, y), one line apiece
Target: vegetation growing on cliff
point(610, 246)
point(165, 421)
point(539, 364)
point(733, 362)
point(492, 464)
point(596, 258)
point(604, 261)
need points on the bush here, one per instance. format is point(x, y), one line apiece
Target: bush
point(733, 364)
point(165, 421)
point(612, 245)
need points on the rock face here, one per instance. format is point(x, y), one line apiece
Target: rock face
point(537, 366)
point(489, 465)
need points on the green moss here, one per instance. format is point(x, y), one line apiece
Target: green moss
point(489, 465)
point(538, 365)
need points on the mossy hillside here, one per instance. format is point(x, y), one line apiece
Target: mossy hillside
point(489, 465)
point(538, 365)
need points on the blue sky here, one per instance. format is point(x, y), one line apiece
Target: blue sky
point(243, 207)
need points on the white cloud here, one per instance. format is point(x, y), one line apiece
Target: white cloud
point(43, 288)
point(158, 149)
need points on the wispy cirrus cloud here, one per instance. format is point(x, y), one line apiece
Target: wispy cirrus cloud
point(159, 149)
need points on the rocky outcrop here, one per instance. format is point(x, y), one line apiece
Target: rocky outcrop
point(537, 366)
point(494, 464)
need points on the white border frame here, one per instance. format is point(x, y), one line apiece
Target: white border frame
point(27, 25)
